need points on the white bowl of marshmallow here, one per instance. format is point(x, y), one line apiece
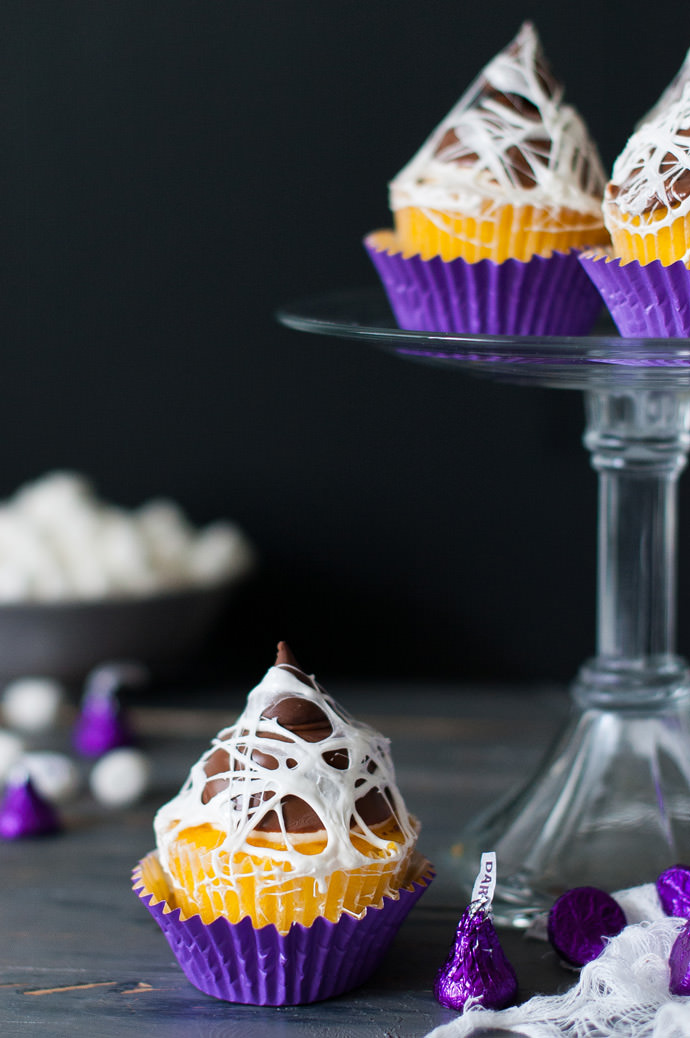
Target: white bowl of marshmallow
point(83, 581)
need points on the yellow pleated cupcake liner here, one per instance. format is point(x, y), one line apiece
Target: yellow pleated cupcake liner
point(498, 233)
point(642, 239)
point(208, 882)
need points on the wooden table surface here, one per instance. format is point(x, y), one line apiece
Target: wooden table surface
point(79, 955)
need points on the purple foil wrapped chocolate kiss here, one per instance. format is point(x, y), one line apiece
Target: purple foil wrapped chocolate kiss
point(102, 724)
point(679, 963)
point(477, 970)
point(673, 889)
point(24, 812)
point(100, 728)
point(580, 923)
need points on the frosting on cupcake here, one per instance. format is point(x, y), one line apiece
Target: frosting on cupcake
point(509, 140)
point(651, 176)
point(294, 767)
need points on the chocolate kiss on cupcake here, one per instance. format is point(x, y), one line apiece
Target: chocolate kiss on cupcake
point(303, 719)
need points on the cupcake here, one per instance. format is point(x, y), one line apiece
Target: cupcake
point(647, 201)
point(644, 278)
point(287, 861)
point(487, 213)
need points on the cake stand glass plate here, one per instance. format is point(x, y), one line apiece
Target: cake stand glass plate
point(610, 804)
point(565, 362)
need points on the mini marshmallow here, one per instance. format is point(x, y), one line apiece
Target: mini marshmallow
point(11, 750)
point(121, 777)
point(219, 546)
point(58, 493)
point(59, 541)
point(54, 775)
point(32, 704)
point(123, 554)
point(168, 536)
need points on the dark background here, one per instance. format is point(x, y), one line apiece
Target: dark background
point(174, 171)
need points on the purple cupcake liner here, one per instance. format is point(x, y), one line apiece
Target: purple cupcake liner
point(238, 963)
point(645, 300)
point(543, 296)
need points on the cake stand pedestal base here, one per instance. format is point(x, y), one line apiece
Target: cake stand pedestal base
point(610, 806)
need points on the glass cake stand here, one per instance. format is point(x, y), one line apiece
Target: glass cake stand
point(610, 805)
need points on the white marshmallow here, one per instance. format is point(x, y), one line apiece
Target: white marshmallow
point(58, 541)
point(55, 776)
point(58, 493)
point(121, 777)
point(220, 547)
point(168, 536)
point(11, 750)
point(32, 704)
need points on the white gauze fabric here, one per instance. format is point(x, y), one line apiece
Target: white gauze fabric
point(622, 994)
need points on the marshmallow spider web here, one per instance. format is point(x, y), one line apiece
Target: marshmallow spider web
point(267, 763)
point(652, 174)
point(509, 139)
